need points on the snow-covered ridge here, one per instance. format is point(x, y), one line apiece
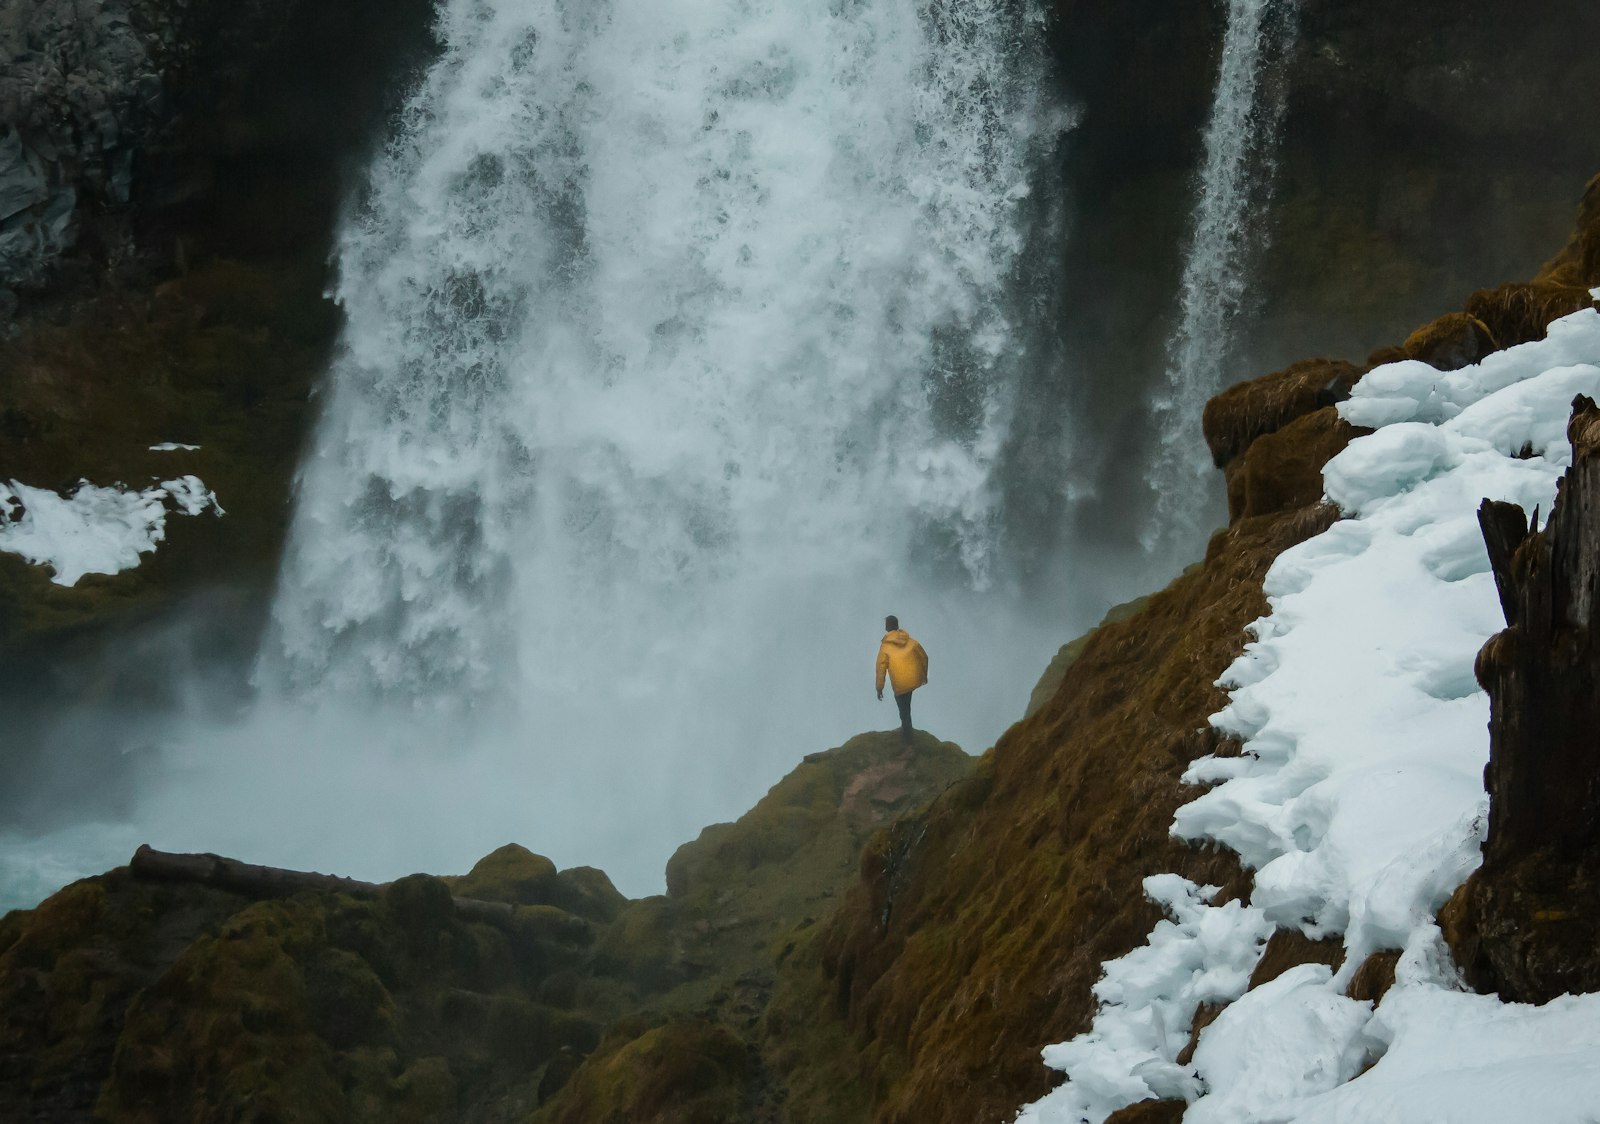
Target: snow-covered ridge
point(1358, 797)
point(94, 529)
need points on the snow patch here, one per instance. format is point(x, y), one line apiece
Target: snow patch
point(94, 529)
point(1148, 998)
point(1288, 1039)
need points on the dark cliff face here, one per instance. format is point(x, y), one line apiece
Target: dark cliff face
point(138, 137)
point(171, 172)
point(1426, 150)
point(1408, 127)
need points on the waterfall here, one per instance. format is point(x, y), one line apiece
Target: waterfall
point(1236, 178)
point(679, 350)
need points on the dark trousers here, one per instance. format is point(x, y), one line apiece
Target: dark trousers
point(904, 703)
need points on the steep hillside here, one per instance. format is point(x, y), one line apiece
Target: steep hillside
point(979, 926)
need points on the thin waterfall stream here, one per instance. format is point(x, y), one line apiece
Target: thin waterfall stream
point(1234, 182)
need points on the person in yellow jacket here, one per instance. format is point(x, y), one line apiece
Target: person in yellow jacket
point(906, 664)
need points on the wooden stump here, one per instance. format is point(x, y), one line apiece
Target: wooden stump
point(1543, 672)
point(1528, 917)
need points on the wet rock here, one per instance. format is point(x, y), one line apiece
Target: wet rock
point(21, 177)
point(1290, 948)
point(1150, 1112)
point(1453, 341)
point(1375, 977)
point(1282, 470)
point(1248, 410)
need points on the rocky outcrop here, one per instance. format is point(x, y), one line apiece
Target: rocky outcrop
point(138, 134)
point(200, 988)
point(979, 925)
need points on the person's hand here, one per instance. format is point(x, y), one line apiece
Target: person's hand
point(880, 696)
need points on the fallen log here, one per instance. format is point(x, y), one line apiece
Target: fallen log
point(256, 881)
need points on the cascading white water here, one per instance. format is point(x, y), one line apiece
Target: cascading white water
point(678, 354)
point(1235, 179)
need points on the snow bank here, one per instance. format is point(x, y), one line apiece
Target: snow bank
point(1358, 798)
point(1148, 998)
point(94, 530)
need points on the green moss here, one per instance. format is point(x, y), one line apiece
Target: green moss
point(805, 1038)
point(420, 904)
point(229, 1024)
point(224, 358)
point(426, 1093)
point(510, 874)
point(680, 1073)
point(587, 891)
point(546, 924)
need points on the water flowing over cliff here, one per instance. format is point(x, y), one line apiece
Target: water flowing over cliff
point(681, 347)
point(1233, 184)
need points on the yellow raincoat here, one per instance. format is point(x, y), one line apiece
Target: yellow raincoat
point(903, 660)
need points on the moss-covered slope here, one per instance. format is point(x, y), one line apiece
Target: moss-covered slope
point(979, 925)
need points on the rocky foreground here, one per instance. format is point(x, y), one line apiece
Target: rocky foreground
point(196, 990)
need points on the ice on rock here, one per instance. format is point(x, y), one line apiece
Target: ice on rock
point(1395, 392)
point(1459, 1058)
point(1530, 415)
point(191, 496)
point(1413, 391)
point(1386, 464)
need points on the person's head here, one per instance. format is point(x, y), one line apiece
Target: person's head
point(891, 624)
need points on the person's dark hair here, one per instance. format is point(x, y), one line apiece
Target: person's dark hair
point(891, 623)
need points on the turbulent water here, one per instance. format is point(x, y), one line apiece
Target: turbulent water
point(681, 348)
point(652, 301)
point(1235, 181)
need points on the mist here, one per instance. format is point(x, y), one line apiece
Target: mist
point(682, 346)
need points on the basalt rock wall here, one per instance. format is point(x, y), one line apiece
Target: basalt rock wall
point(171, 172)
point(170, 176)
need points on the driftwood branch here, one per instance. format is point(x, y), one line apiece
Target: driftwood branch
point(1505, 526)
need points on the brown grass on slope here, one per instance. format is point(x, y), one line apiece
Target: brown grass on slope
point(979, 927)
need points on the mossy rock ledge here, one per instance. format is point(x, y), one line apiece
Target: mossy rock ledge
point(128, 997)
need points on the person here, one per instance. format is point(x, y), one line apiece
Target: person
point(906, 665)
